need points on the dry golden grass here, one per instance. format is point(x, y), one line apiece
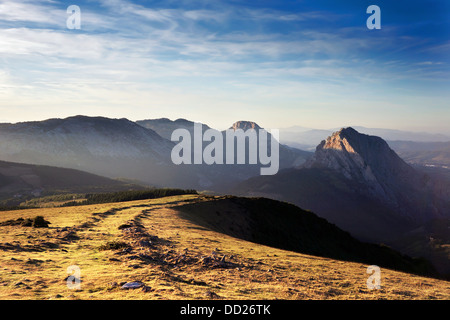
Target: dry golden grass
point(34, 261)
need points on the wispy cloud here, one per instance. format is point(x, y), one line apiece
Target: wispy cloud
point(218, 49)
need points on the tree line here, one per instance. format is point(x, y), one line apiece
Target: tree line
point(130, 195)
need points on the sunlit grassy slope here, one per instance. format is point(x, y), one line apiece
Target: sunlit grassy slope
point(153, 242)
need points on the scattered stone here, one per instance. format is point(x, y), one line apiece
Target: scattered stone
point(114, 259)
point(145, 257)
point(127, 250)
point(197, 283)
point(72, 279)
point(154, 238)
point(49, 245)
point(38, 222)
point(146, 289)
point(214, 261)
point(68, 236)
point(34, 261)
point(124, 226)
point(132, 285)
point(85, 225)
point(13, 222)
point(211, 295)
point(115, 245)
point(145, 243)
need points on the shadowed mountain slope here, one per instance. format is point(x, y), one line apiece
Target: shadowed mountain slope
point(283, 225)
point(22, 181)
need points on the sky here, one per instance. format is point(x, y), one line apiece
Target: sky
point(279, 63)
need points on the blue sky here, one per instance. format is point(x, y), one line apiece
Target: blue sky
point(278, 63)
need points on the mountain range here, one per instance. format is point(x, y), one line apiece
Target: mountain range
point(108, 147)
point(289, 156)
point(119, 148)
point(354, 180)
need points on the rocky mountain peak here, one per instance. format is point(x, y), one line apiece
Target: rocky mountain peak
point(245, 125)
point(351, 152)
point(341, 140)
point(365, 159)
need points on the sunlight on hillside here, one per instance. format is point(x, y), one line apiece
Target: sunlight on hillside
point(169, 257)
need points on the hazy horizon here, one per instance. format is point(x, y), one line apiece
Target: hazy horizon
point(280, 64)
point(293, 128)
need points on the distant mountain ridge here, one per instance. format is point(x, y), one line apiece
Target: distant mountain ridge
point(114, 148)
point(164, 126)
point(89, 136)
point(289, 157)
point(402, 135)
point(120, 148)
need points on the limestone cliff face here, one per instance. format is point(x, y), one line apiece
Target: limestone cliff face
point(370, 162)
point(338, 153)
point(245, 125)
